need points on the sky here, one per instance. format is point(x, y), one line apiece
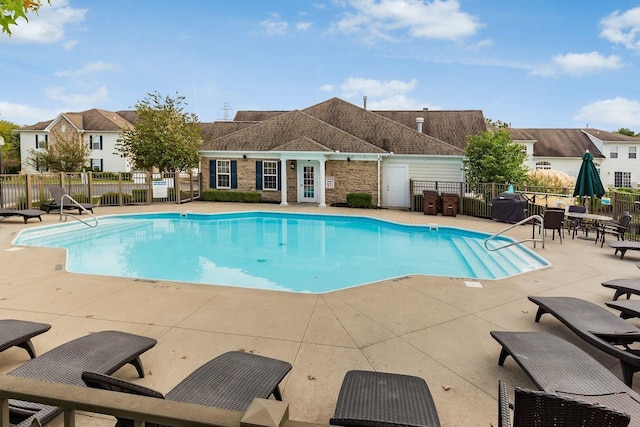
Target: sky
point(533, 64)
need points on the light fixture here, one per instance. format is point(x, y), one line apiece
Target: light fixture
point(292, 165)
point(348, 159)
point(244, 156)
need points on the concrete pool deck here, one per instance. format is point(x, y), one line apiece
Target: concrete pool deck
point(433, 327)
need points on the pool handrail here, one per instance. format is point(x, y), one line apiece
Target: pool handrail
point(64, 214)
point(524, 221)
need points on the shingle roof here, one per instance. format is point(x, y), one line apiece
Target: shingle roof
point(256, 116)
point(556, 142)
point(94, 120)
point(302, 144)
point(211, 131)
point(611, 136)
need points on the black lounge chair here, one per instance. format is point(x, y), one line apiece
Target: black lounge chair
point(628, 308)
point(380, 399)
point(539, 408)
point(624, 246)
point(57, 193)
point(558, 366)
point(597, 326)
point(104, 352)
point(623, 286)
point(229, 381)
point(26, 214)
point(18, 333)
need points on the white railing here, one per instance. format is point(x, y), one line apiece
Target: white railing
point(524, 221)
point(64, 214)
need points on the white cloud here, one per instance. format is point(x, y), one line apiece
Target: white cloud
point(48, 25)
point(617, 112)
point(22, 114)
point(376, 88)
point(78, 101)
point(275, 26)
point(623, 28)
point(437, 19)
point(94, 67)
point(327, 88)
point(302, 26)
point(399, 102)
point(579, 64)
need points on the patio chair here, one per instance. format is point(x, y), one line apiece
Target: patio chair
point(614, 228)
point(103, 352)
point(229, 381)
point(560, 367)
point(57, 193)
point(18, 333)
point(26, 214)
point(574, 224)
point(539, 408)
point(380, 399)
point(597, 326)
point(554, 220)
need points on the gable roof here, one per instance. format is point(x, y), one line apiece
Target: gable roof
point(611, 136)
point(256, 116)
point(556, 142)
point(449, 126)
point(94, 120)
point(211, 131)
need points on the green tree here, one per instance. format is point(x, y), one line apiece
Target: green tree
point(493, 157)
point(65, 153)
point(164, 137)
point(625, 131)
point(12, 10)
point(496, 124)
point(10, 162)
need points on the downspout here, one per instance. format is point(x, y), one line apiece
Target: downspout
point(378, 181)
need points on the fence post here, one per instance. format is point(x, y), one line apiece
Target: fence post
point(28, 192)
point(412, 197)
point(120, 198)
point(90, 183)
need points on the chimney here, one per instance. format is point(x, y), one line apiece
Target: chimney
point(364, 98)
point(419, 122)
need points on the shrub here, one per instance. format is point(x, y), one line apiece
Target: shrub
point(229, 196)
point(548, 178)
point(80, 197)
point(359, 200)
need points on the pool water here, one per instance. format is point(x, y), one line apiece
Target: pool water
point(279, 251)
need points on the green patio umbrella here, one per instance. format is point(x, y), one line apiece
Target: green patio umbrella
point(588, 183)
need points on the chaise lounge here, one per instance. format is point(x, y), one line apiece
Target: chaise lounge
point(26, 214)
point(624, 246)
point(597, 326)
point(558, 366)
point(18, 333)
point(623, 286)
point(58, 194)
point(103, 352)
point(229, 381)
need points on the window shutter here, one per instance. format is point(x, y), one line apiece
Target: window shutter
point(101, 165)
point(101, 142)
point(259, 175)
point(37, 145)
point(279, 179)
point(234, 174)
point(212, 174)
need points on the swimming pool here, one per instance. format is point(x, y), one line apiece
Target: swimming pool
point(279, 251)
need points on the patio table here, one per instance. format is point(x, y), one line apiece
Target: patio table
point(591, 219)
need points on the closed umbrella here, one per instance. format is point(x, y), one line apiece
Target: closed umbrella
point(588, 183)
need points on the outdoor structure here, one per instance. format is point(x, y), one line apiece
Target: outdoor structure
point(326, 151)
point(100, 129)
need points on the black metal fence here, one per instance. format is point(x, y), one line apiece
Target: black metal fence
point(107, 189)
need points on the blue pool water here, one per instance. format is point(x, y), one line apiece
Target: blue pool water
point(280, 251)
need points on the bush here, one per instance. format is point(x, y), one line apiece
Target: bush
point(359, 200)
point(229, 196)
point(80, 197)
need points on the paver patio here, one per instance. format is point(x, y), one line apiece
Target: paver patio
point(433, 327)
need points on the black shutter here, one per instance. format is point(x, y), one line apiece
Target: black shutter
point(101, 165)
point(101, 142)
point(259, 175)
point(279, 179)
point(234, 174)
point(212, 174)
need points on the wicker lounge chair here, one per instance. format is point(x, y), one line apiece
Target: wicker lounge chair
point(18, 333)
point(104, 352)
point(558, 366)
point(229, 381)
point(539, 408)
point(623, 286)
point(379, 399)
point(57, 193)
point(597, 326)
point(26, 214)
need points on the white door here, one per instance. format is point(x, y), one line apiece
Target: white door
point(307, 191)
point(396, 186)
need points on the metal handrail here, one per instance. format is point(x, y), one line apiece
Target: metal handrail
point(64, 214)
point(524, 221)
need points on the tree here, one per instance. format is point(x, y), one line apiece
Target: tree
point(496, 124)
point(10, 162)
point(11, 10)
point(64, 153)
point(164, 137)
point(493, 157)
point(625, 131)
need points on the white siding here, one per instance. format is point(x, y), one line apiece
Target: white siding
point(448, 169)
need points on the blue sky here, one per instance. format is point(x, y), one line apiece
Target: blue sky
point(542, 64)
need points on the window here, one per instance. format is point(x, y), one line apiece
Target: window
point(42, 142)
point(270, 175)
point(96, 165)
point(613, 152)
point(543, 165)
point(95, 142)
point(223, 173)
point(632, 152)
point(622, 179)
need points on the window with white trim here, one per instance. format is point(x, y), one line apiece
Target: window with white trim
point(633, 151)
point(622, 179)
point(613, 152)
point(270, 175)
point(42, 142)
point(95, 142)
point(96, 165)
point(543, 165)
point(223, 173)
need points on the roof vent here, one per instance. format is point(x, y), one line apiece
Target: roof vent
point(419, 122)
